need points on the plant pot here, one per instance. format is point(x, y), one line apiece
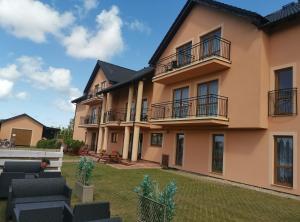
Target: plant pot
point(84, 193)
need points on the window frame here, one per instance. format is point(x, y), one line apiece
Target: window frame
point(212, 153)
point(276, 165)
point(156, 144)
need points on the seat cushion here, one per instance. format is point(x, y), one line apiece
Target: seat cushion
point(40, 199)
point(22, 166)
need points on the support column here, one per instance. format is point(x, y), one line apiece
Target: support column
point(103, 109)
point(109, 102)
point(135, 145)
point(126, 143)
point(105, 139)
point(100, 140)
point(139, 101)
point(136, 132)
point(129, 103)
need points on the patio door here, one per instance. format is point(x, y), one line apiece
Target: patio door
point(93, 141)
point(130, 146)
point(180, 103)
point(140, 146)
point(179, 149)
point(208, 99)
point(210, 44)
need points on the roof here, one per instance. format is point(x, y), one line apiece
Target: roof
point(287, 12)
point(113, 73)
point(141, 74)
point(20, 116)
point(253, 17)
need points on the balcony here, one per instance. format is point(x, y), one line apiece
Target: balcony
point(89, 121)
point(283, 102)
point(92, 98)
point(210, 110)
point(211, 55)
point(115, 116)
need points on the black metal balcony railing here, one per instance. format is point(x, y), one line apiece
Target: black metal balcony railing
point(115, 116)
point(209, 106)
point(283, 102)
point(94, 93)
point(89, 120)
point(212, 47)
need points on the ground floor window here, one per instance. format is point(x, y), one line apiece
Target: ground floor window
point(113, 138)
point(283, 160)
point(217, 153)
point(156, 139)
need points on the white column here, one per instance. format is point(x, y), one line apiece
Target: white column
point(126, 142)
point(129, 102)
point(100, 139)
point(139, 101)
point(135, 145)
point(105, 139)
point(103, 109)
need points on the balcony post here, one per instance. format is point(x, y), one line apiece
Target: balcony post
point(129, 103)
point(126, 142)
point(103, 109)
point(100, 139)
point(135, 146)
point(139, 100)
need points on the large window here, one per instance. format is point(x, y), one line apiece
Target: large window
point(210, 44)
point(217, 153)
point(184, 54)
point(283, 160)
point(208, 99)
point(284, 92)
point(113, 138)
point(181, 103)
point(156, 139)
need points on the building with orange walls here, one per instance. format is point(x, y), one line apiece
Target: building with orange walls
point(219, 98)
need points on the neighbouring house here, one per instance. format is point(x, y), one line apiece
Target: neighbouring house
point(25, 130)
point(219, 98)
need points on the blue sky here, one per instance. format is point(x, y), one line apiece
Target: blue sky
point(49, 48)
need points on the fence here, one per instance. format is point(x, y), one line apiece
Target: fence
point(55, 157)
point(150, 210)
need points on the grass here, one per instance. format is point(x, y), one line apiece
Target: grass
point(196, 200)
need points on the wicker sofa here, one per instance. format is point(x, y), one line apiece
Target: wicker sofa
point(37, 191)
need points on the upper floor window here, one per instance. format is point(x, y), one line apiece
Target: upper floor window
point(97, 88)
point(283, 100)
point(210, 44)
point(184, 54)
point(208, 99)
point(144, 113)
point(181, 103)
point(103, 85)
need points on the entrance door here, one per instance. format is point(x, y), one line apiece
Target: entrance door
point(181, 103)
point(179, 149)
point(93, 141)
point(22, 137)
point(130, 146)
point(140, 146)
point(208, 99)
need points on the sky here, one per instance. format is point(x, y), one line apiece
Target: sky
point(49, 48)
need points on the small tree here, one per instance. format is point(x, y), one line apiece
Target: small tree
point(84, 170)
point(149, 190)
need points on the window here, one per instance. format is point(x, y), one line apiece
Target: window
point(208, 99)
point(217, 153)
point(283, 160)
point(184, 54)
point(113, 138)
point(103, 85)
point(97, 88)
point(210, 44)
point(144, 113)
point(284, 91)
point(156, 139)
point(181, 103)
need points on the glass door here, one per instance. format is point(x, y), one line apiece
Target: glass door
point(180, 103)
point(210, 44)
point(179, 149)
point(208, 99)
point(144, 113)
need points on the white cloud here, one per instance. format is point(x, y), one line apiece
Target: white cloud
point(6, 87)
point(106, 42)
point(64, 105)
point(90, 4)
point(22, 95)
point(10, 72)
point(139, 26)
point(32, 19)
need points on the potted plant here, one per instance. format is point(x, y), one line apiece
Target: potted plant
point(83, 188)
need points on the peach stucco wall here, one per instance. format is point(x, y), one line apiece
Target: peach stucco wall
point(22, 123)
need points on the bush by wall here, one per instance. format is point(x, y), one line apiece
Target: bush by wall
point(49, 144)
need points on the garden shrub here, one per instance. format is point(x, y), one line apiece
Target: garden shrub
point(49, 144)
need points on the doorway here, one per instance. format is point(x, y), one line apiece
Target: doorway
point(179, 149)
point(93, 141)
point(140, 145)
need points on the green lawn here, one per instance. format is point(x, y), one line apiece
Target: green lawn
point(197, 199)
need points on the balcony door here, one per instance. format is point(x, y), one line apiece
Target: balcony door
point(184, 54)
point(180, 103)
point(144, 113)
point(179, 149)
point(283, 91)
point(208, 99)
point(210, 44)
point(93, 117)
